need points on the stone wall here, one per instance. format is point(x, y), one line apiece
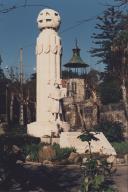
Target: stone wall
point(80, 115)
point(86, 114)
point(75, 88)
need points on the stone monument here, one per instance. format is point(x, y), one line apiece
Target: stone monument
point(49, 112)
point(49, 118)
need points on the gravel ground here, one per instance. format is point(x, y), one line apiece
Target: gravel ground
point(35, 177)
point(121, 178)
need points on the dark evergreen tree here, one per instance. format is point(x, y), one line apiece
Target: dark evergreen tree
point(107, 30)
point(111, 42)
point(2, 76)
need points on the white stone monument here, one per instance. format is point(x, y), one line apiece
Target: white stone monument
point(102, 145)
point(49, 90)
point(49, 118)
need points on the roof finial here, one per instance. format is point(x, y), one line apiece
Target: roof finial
point(76, 42)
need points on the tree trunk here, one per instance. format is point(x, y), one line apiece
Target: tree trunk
point(124, 97)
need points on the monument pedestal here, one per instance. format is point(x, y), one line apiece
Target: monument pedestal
point(41, 129)
point(102, 145)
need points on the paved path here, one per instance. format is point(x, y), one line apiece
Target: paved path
point(37, 178)
point(121, 178)
point(33, 178)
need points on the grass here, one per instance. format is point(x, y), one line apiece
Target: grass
point(62, 153)
point(33, 149)
point(121, 147)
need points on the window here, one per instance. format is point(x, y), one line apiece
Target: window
point(74, 87)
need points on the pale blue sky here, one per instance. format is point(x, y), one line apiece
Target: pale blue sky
point(18, 29)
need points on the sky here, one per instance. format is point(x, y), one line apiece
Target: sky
point(18, 29)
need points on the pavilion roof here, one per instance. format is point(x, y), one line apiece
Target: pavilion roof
point(76, 60)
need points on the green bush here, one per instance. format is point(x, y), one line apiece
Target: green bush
point(62, 153)
point(96, 169)
point(110, 91)
point(121, 148)
point(32, 150)
point(112, 130)
point(97, 175)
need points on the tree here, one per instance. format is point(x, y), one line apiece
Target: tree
point(2, 76)
point(109, 90)
point(112, 130)
point(93, 78)
point(108, 29)
point(96, 168)
point(122, 2)
point(112, 49)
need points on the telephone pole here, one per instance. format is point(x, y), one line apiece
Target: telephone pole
point(21, 119)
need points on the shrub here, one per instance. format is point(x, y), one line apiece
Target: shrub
point(62, 153)
point(121, 148)
point(97, 170)
point(110, 91)
point(97, 174)
point(19, 140)
point(32, 150)
point(112, 130)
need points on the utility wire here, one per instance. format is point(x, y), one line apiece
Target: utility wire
point(14, 7)
point(42, 5)
point(79, 23)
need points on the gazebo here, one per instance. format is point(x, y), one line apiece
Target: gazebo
point(76, 67)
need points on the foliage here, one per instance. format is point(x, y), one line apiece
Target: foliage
point(120, 52)
point(110, 91)
point(62, 153)
point(97, 170)
point(2, 75)
point(88, 137)
point(93, 80)
point(32, 150)
point(107, 29)
point(121, 148)
point(19, 140)
point(28, 144)
point(112, 130)
point(111, 48)
point(93, 76)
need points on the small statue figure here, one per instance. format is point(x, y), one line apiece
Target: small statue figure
point(55, 106)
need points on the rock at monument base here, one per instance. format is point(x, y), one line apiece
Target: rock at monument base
point(47, 162)
point(46, 153)
point(102, 146)
point(74, 158)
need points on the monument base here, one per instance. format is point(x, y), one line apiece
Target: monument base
point(70, 139)
point(41, 129)
point(102, 145)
